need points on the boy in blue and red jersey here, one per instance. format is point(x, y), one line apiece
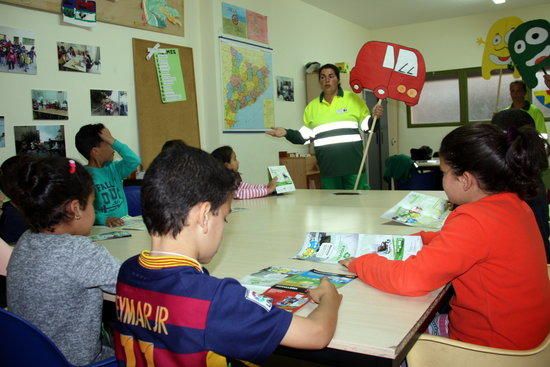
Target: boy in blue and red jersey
point(171, 312)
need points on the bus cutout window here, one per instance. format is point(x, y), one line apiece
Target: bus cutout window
point(389, 59)
point(407, 63)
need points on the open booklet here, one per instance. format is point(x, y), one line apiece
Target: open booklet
point(420, 210)
point(328, 247)
point(287, 288)
point(284, 182)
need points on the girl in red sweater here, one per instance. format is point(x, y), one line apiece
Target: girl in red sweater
point(489, 248)
point(227, 156)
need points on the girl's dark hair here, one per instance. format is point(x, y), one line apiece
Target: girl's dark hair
point(223, 154)
point(501, 161)
point(41, 188)
point(330, 66)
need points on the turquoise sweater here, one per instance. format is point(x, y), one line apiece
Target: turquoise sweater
point(110, 200)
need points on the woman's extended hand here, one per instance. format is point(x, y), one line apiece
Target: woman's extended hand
point(277, 132)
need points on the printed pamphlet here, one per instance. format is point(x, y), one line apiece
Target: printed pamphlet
point(420, 210)
point(328, 247)
point(109, 235)
point(288, 287)
point(284, 182)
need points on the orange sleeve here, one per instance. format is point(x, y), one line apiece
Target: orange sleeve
point(427, 237)
point(451, 252)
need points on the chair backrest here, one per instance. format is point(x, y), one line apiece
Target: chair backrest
point(430, 180)
point(22, 344)
point(133, 197)
point(12, 223)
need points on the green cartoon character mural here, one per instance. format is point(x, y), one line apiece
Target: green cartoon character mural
point(530, 47)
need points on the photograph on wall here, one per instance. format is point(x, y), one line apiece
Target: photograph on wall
point(79, 58)
point(40, 140)
point(108, 102)
point(2, 133)
point(17, 51)
point(49, 105)
point(285, 89)
point(79, 12)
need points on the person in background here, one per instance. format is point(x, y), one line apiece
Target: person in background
point(56, 275)
point(245, 190)
point(332, 123)
point(98, 146)
point(489, 248)
point(201, 320)
point(518, 90)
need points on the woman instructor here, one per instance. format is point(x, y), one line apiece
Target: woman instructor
point(332, 123)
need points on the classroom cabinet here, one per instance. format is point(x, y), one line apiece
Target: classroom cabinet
point(303, 170)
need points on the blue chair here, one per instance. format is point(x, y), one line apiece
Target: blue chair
point(430, 180)
point(133, 197)
point(12, 223)
point(22, 344)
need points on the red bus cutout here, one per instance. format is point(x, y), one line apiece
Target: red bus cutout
point(390, 71)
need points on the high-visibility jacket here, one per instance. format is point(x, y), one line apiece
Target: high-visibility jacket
point(333, 129)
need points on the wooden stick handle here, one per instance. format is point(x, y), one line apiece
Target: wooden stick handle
point(365, 152)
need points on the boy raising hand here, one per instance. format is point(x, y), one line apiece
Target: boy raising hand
point(98, 146)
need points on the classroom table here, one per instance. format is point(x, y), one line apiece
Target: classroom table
point(374, 327)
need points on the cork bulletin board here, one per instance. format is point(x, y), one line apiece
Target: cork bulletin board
point(127, 13)
point(157, 121)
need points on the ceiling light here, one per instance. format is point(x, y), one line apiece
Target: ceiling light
point(499, 1)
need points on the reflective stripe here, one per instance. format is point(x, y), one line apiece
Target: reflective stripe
point(306, 133)
point(544, 136)
point(365, 123)
point(336, 140)
point(335, 126)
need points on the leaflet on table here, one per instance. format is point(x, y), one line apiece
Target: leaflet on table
point(328, 247)
point(260, 281)
point(133, 223)
point(110, 235)
point(420, 210)
point(288, 287)
point(284, 182)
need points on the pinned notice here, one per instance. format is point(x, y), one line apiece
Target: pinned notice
point(170, 76)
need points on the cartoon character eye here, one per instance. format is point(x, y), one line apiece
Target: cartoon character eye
point(507, 35)
point(519, 46)
point(536, 35)
point(497, 39)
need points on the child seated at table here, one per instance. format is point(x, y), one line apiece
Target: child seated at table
point(97, 145)
point(56, 275)
point(189, 316)
point(245, 190)
point(489, 248)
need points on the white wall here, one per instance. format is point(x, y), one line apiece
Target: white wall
point(117, 72)
point(446, 44)
point(298, 33)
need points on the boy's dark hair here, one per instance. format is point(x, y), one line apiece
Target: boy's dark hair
point(501, 161)
point(521, 83)
point(223, 154)
point(41, 188)
point(512, 118)
point(173, 143)
point(178, 179)
point(88, 138)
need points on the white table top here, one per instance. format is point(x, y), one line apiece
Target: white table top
point(268, 231)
